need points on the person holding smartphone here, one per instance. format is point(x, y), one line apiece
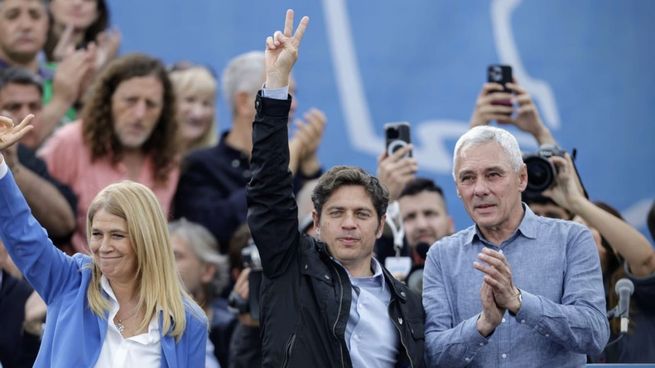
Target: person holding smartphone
point(504, 100)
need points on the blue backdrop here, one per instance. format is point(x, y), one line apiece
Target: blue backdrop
point(588, 65)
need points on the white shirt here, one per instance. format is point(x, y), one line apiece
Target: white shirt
point(143, 351)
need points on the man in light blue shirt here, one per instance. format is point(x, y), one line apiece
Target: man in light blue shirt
point(515, 289)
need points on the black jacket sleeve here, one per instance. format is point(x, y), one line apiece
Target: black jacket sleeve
point(272, 209)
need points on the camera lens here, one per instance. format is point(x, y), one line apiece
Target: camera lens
point(540, 174)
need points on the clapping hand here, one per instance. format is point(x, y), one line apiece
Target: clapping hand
point(498, 276)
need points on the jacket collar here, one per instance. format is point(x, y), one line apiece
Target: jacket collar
point(394, 285)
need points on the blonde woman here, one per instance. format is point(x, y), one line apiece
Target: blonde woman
point(195, 91)
point(123, 306)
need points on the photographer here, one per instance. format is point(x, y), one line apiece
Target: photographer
point(636, 261)
point(424, 216)
point(245, 346)
point(420, 211)
point(394, 171)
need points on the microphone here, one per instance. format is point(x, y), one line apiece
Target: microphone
point(624, 289)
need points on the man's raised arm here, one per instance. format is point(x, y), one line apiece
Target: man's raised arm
point(272, 210)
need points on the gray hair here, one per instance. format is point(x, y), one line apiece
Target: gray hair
point(205, 247)
point(484, 134)
point(243, 73)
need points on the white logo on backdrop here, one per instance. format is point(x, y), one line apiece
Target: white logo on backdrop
point(430, 136)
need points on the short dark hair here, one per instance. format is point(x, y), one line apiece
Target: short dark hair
point(339, 176)
point(419, 185)
point(22, 76)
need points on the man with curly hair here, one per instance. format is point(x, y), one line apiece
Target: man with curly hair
point(126, 131)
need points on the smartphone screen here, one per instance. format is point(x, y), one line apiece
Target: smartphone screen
point(501, 74)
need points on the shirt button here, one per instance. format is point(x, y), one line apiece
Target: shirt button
point(481, 344)
point(522, 321)
point(503, 320)
point(235, 163)
point(467, 359)
point(327, 277)
point(547, 335)
point(503, 356)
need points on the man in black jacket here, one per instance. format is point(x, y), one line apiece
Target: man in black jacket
point(328, 302)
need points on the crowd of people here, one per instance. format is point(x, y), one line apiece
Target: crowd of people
point(133, 233)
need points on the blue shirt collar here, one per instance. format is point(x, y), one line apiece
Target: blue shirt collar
point(527, 227)
point(377, 277)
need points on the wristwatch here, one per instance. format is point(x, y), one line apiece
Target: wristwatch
point(520, 298)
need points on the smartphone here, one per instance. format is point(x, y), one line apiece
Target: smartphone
point(397, 136)
point(501, 74)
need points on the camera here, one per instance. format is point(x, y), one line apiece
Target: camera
point(397, 136)
point(249, 258)
point(541, 172)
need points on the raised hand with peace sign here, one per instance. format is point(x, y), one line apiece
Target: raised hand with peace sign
point(282, 51)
